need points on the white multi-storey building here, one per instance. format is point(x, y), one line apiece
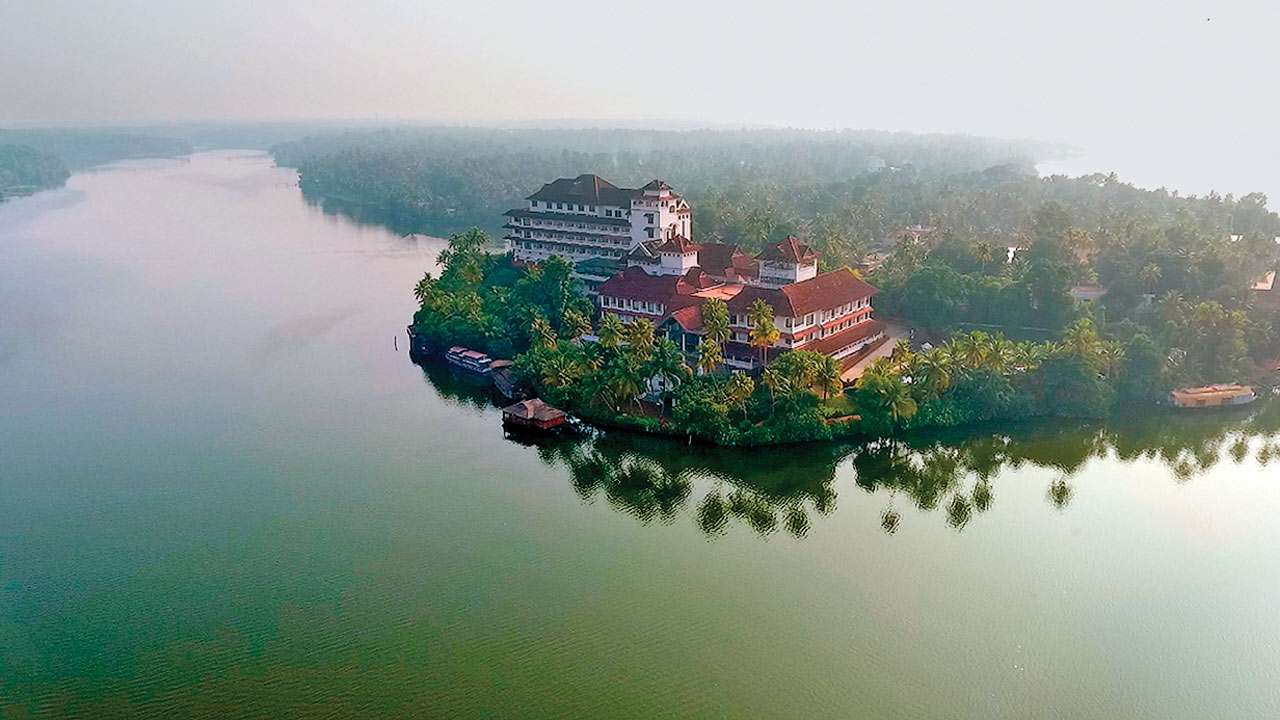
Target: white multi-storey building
point(589, 217)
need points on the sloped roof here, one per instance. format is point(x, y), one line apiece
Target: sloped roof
point(827, 290)
point(586, 189)
point(534, 409)
point(678, 244)
point(790, 250)
point(843, 339)
point(688, 318)
point(636, 284)
point(718, 256)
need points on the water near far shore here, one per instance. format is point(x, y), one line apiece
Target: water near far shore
point(225, 491)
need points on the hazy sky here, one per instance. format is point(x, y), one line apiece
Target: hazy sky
point(1104, 74)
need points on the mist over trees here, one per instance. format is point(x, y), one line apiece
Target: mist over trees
point(24, 169)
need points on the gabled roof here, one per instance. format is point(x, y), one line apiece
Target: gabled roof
point(586, 189)
point(689, 318)
point(656, 185)
point(636, 284)
point(828, 290)
point(718, 256)
point(790, 250)
point(678, 244)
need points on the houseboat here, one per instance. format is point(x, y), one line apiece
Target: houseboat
point(1211, 396)
point(470, 360)
point(533, 414)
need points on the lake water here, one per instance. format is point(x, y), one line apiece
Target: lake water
point(225, 491)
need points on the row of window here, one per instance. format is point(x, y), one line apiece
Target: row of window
point(573, 207)
point(565, 249)
point(643, 306)
point(541, 222)
point(571, 238)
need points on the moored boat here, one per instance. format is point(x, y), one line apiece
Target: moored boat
point(469, 360)
point(1211, 396)
point(533, 414)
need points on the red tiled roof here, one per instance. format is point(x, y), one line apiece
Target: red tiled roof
point(718, 257)
point(827, 290)
point(699, 279)
point(587, 189)
point(742, 302)
point(679, 244)
point(790, 250)
point(689, 318)
point(636, 284)
point(843, 339)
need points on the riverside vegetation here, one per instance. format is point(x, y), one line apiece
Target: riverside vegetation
point(632, 377)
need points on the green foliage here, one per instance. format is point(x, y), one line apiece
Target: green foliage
point(24, 169)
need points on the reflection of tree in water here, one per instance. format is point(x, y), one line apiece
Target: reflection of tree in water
point(784, 488)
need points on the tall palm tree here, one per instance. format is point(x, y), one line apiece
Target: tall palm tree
point(640, 339)
point(1150, 275)
point(1000, 354)
point(828, 376)
point(985, 253)
point(1111, 353)
point(715, 321)
point(897, 399)
point(973, 349)
point(763, 332)
point(709, 356)
point(775, 382)
point(667, 363)
point(612, 331)
point(738, 390)
point(423, 289)
point(559, 371)
point(935, 370)
point(1081, 339)
point(901, 353)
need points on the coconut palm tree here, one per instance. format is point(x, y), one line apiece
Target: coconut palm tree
point(709, 356)
point(715, 321)
point(775, 382)
point(738, 390)
point(763, 332)
point(1000, 354)
point(828, 376)
point(1081, 339)
point(667, 363)
point(1111, 353)
point(901, 353)
point(935, 370)
point(423, 289)
point(541, 333)
point(1150, 275)
point(985, 253)
point(612, 331)
point(559, 371)
point(640, 339)
point(575, 324)
point(973, 349)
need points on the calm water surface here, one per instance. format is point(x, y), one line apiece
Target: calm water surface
point(224, 491)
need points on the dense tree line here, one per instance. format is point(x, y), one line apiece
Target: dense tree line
point(452, 178)
point(25, 169)
point(84, 148)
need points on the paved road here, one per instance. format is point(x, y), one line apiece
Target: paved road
point(895, 331)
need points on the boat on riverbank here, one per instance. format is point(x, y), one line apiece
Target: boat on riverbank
point(470, 360)
point(1212, 396)
point(533, 414)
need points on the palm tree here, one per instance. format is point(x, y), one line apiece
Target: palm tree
point(715, 321)
point(667, 363)
point(1111, 353)
point(640, 339)
point(1000, 354)
point(775, 382)
point(541, 332)
point(901, 353)
point(898, 401)
point(739, 389)
point(985, 252)
point(763, 332)
point(935, 370)
point(973, 349)
point(611, 331)
point(559, 371)
point(1081, 339)
point(828, 376)
point(576, 324)
point(423, 289)
point(1150, 275)
point(709, 356)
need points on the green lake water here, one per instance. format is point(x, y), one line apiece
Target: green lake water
point(226, 492)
